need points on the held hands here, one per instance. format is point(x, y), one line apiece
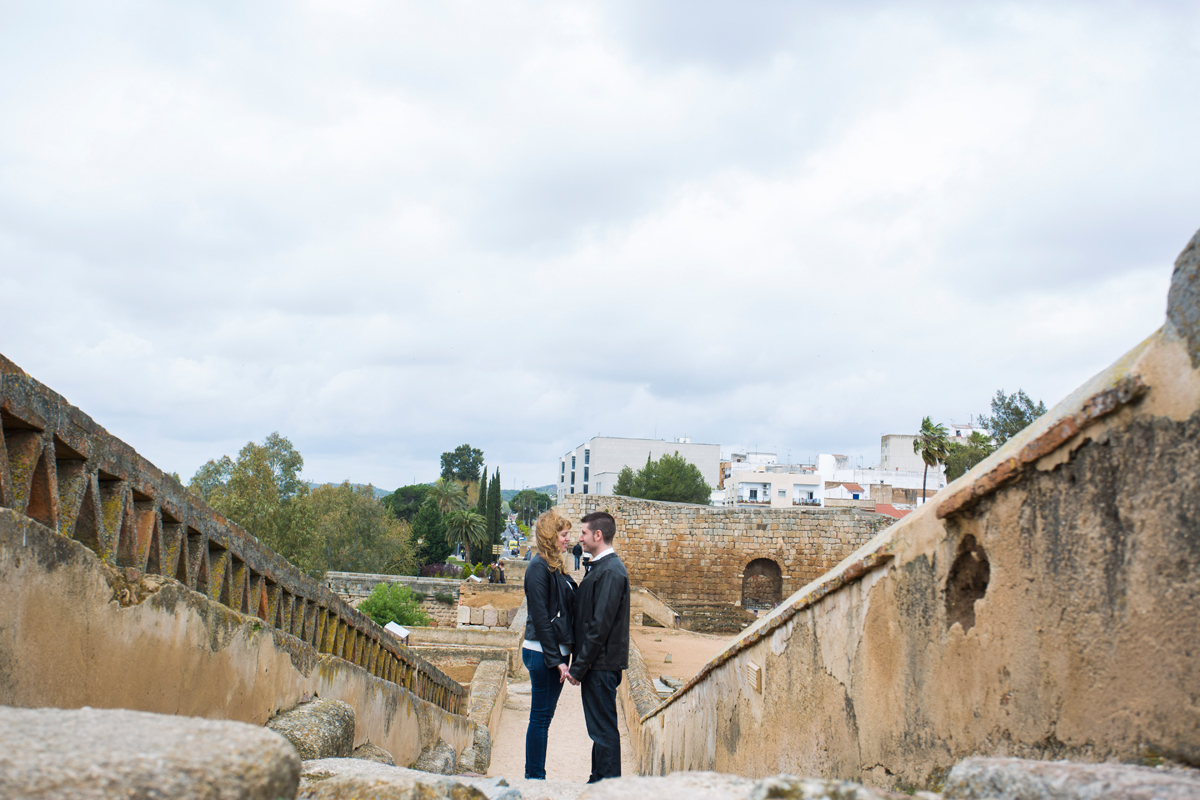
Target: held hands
point(564, 674)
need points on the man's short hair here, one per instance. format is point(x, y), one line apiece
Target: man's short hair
point(602, 521)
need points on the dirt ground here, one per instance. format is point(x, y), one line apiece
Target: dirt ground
point(689, 651)
point(462, 674)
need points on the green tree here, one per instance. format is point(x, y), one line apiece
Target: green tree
point(624, 485)
point(962, 455)
point(672, 478)
point(393, 602)
point(464, 526)
point(406, 501)
point(449, 495)
point(931, 445)
point(285, 463)
point(528, 503)
point(495, 514)
point(213, 475)
point(482, 500)
point(462, 464)
point(358, 534)
point(1010, 415)
point(429, 525)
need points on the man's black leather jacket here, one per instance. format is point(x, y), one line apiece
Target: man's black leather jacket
point(602, 618)
point(548, 593)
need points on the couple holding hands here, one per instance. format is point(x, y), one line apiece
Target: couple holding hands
point(578, 634)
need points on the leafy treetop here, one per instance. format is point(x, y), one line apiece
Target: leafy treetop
point(1010, 415)
point(672, 478)
point(463, 464)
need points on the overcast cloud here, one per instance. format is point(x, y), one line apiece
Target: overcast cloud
point(385, 229)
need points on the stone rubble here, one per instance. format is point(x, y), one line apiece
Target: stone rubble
point(95, 754)
point(344, 778)
point(439, 759)
point(373, 752)
point(1020, 779)
point(320, 729)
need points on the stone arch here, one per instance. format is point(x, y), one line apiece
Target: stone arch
point(762, 584)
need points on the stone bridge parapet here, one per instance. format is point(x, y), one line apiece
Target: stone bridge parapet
point(61, 469)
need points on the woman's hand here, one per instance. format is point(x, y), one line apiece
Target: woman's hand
point(563, 671)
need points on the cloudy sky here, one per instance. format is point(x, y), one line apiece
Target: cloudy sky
point(385, 229)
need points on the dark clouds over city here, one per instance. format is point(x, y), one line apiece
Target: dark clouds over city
point(388, 229)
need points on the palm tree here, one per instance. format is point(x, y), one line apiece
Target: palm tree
point(932, 445)
point(449, 495)
point(467, 527)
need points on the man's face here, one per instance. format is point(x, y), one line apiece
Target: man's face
point(591, 541)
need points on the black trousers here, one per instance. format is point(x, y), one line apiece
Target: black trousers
point(599, 693)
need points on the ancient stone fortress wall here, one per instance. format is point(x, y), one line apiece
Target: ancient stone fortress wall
point(689, 553)
point(66, 473)
point(1045, 605)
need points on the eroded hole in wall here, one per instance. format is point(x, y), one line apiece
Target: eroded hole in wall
point(967, 582)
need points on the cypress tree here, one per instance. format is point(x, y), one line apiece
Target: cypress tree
point(481, 503)
point(495, 518)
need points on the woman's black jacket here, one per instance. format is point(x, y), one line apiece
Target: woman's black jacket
point(549, 594)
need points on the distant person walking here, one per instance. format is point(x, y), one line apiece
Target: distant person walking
point(577, 551)
point(549, 633)
point(601, 642)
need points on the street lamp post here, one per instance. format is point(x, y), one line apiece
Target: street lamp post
point(419, 543)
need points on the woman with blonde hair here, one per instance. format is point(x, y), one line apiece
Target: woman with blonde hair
point(549, 633)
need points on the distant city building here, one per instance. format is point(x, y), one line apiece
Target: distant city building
point(757, 479)
point(593, 467)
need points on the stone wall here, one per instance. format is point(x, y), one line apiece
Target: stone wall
point(62, 470)
point(1045, 605)
point(687, 553)
point(75, 631)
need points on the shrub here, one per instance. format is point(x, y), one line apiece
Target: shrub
point(393, 602)
point(444, 597)
point(441, 571)
point(418, 595)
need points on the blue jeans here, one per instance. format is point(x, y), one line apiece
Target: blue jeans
point(546, 689)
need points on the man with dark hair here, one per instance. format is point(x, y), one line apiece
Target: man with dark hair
point(601, 642)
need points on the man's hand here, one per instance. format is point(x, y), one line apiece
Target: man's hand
point(564, 674)
point(573, 681)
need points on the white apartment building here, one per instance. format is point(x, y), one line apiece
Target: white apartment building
point(756, 479)
point(593, 467)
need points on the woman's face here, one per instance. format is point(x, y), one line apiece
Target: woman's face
point(564, 540)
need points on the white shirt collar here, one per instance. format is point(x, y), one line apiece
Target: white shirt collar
point(601, 554)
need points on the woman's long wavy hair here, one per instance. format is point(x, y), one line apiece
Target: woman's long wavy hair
point(547, 528)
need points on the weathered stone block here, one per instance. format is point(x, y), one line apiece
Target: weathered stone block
point(320, 729)
point(439, 758)
point(101, 753)
point(373, 752)
point(491, 617)
point(476, 616)
point(464, 615)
